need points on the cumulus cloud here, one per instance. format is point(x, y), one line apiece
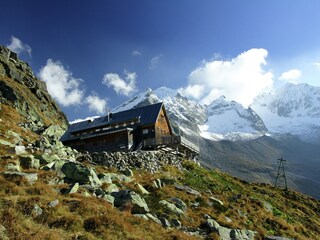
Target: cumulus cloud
point(17, 46)
point(290, 75)
point(239, 79)
point(136, 53)
point(154, 62)
point(61, 84)
point(96, 104)
point(123, 86)
point(317, 64)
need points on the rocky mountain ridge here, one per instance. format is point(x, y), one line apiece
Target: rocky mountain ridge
point(292, 109)
point(22, 91)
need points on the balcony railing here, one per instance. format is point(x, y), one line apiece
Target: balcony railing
point(171, 141)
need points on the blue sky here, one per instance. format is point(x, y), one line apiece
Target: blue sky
point(97, 54)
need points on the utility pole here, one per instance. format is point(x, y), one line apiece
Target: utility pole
point(281, 173)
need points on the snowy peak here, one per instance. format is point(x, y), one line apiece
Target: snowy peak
point(293, 108)
point(230, 120)
point(292, 100)
point(165, 92)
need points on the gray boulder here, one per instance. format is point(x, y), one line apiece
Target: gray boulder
point(20, 149)
point(165, 222)
point(6, 143)
point(48, 158)
point(276, 238)
point(36, 211)
point(171, 208)
point(73, 189)
point(79, 173)
point(31, 177)
point(125, 197)
point(13, 166)
point(29, 161)
point(228, 233)
point(216, 201)
point(187, 190)
point(108, 198)
point(142, 189)
point(53, 203)
point(179, 203)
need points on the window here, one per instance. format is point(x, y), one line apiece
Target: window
point(145, 131)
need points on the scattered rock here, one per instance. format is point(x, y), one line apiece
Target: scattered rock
point(128, 172)
point(165, 222)
point(6, 143)
point(36, 211)
point(179, 203)
point(48, 158)
point(53, 203)
point(215, 200)
point(110, 199)
point(125, 197)
point(112, 188)
point(172, 208)
point(276, 238)
point(19, 150)
point(267, 206)
point(48, 166)
point(176, 223)
point(187, 190)
point(115, 177)
point(75, 172)
point(31, 177)
point(143, 216)
point(29, 161)
point(13, 166)
point(228, 233)
point(153, 218)
point(142, 189)
point(157, 183)
point(73, 189)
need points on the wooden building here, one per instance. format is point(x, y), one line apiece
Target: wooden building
point(145, 127)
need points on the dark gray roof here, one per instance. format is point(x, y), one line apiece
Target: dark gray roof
point(147, 115)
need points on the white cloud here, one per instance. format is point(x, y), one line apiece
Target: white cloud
point(136, 53)
point(61, 84)
point(154, 62)
point(317, 64)
point(17, 46)
point(239, 79)
point(195, 91)
point(290, 75)
point(124, 86)
point(96, 104)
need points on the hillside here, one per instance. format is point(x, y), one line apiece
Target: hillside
point(49, 191)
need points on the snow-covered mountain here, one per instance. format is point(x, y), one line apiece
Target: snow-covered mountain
point(293, 109)
point(222, 119)
point(184, 113)
point(230, 120)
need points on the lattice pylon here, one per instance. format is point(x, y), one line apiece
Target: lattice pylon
point(281, 175)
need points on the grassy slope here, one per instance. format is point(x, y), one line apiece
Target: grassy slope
point(292, 214)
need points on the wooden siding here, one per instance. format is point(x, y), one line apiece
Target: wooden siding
point(162, 127)
point(119, 141)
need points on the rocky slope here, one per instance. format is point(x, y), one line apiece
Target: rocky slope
point(49, 191)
